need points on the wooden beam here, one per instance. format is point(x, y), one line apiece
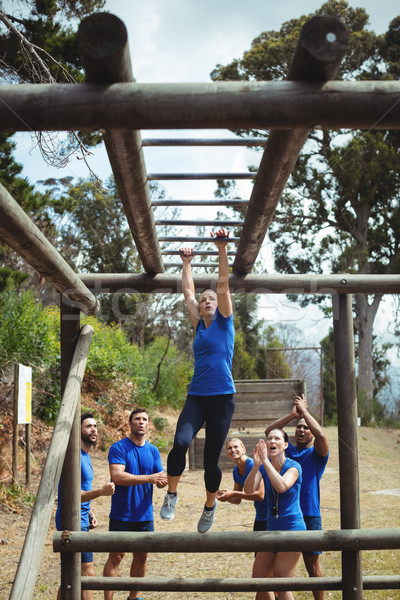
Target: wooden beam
point(250, 284)
point(211, 584)
point(228, 541)
point(237, 584)
point(103, 44)
point(322, 45)
point(218, 105)
point(18, 231)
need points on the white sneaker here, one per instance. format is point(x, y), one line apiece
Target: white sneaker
point(167, 511)
point(207, 519)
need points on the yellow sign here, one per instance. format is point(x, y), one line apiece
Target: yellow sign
point(24, 394)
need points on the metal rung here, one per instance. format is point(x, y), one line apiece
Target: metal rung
point(193, 264)
point(199, 202)
point(187, 176)
point(196, 252)
point(202, 240)
point(204, 142)
point(200, 223)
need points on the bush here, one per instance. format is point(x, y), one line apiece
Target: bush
point(174, 376)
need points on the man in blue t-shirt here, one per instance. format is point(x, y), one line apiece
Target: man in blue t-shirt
point(135, 466)
point(88, 519)
point(313, 458)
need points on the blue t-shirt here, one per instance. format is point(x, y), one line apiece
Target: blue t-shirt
point(86, 485)
point(259, 505)
point(213, 353)
point(313, 465)
point(289, 515)
point(134, 503)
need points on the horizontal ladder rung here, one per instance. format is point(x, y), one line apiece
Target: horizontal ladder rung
point(202, 240)
point(193, 264)
point(196, 253)
point(188, 176)
point(204, 142)
point(199, 202)
point(200, 223)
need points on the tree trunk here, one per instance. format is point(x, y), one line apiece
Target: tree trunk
point(364, 322)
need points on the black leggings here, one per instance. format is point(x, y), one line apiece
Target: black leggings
point(216, 412)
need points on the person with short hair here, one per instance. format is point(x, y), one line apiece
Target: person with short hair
point(282, 480)
point(313, 457)
point(210, 399)
point(236, 452)
point(135, 466)
point(89, 435)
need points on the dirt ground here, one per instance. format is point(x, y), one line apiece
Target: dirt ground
point(379, 460)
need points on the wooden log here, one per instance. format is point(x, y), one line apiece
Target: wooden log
point(321, 47)
point(228, 541)
point(18, 231)
point(211, 584)
point(250, 284)
point(239, 584)
point(70, 492)
point(282, 105)
point(350, 515)
point(103, 44)
point(32, 551)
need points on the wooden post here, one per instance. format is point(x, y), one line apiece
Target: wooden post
point(322, 45)
point(31, 556)
point(103, 43)
point(15, 430)
point(348, 446)
point(70, 484)
point(28, 430)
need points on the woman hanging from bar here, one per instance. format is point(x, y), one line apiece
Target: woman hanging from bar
point(210, 399)
point(282, 480)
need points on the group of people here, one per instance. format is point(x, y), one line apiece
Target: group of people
point(282, 479)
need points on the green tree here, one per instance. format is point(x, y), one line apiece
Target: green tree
point(341, 210)
point(38, 39)
point(37, 204)
point(329, 379)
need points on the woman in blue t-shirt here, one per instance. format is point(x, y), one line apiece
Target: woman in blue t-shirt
point(210, 398)
point(282, 480)
point(236, 452)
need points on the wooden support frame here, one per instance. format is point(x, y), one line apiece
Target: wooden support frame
point(250, 284)
point(321, 47)
point(282, 105)
point(70, 490)
point(227, 541)
point(348, 445)
point(103, 43)
point(19, 232)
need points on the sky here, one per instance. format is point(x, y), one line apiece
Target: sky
point(183, 41)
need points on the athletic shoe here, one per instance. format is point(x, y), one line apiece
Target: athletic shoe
point(167, 511)
point(207, 519)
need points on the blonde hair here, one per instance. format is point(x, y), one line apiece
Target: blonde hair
point(234, 439)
